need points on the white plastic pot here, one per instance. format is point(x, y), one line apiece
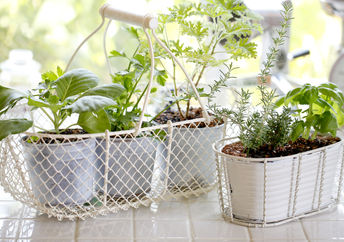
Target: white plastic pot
point(61, 174)
point(258, 190)
point(191, 162)
point(130, 166)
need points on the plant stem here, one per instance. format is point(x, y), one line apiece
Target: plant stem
point(41, 128)
point(56, 123)
point(176, 90)
point(47, 114)
point(143, 92)
point(202, 71)
point(63, 118)
point(68, 127)
point(134, 88)
point(131, 93)
point(310, 114)
point(137, 49)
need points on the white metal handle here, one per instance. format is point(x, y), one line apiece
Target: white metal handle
point(144, 21)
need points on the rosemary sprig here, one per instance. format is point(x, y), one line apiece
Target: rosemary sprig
point(264, 126)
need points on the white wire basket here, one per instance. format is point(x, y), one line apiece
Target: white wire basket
point(84, 175)
point(262, 192)
point(91, 174)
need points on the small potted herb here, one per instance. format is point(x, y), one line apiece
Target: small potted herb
point(197, 34)
point(278, 167)
point(61, 162)
point(131, 158)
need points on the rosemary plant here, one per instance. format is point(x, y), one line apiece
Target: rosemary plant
point(263, 126)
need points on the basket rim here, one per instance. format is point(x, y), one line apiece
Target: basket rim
point(118, 133)
point(259, 160)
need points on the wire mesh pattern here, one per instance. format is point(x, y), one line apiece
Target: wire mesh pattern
point(263, 192)
point(84, 175)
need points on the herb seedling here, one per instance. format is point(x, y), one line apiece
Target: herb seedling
point(126, 111)
point(317, 108)
point(204, 25)
point(60, 95)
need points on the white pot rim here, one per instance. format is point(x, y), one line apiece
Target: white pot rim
point(123, 132)
point(85, 141)
point(217, 147)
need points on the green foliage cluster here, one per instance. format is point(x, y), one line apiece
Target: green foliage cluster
point(126, 111)
point(316, 108)
point(60, 95)
point(204, 25)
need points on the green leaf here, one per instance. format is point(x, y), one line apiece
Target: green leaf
point(311, 120)
point(154, 89)
point(330, 93)
point(309, 96)
point(324, 104)
point(13, 126)
point(53, 99)
point(75, 82)
point(8, 98)
point(329, 85)
point(49, 75)
point(161, 76)
point(110, 91)
point(37, 103)
point(90, 104)
point(291, 94)
point(279, 102)
point(94, 122)
point(134, 32)
point(339, 112)
point(116, 53)
point(139, 60)
point(59, 71)
point(161, 80)
point(327, 123)
point(333, 87)
point(297, 130)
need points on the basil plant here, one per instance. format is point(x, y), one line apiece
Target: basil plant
point(59, 96)
point(317, 108)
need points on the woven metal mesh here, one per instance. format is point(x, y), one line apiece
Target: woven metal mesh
point(265, 192)
point(78, 176)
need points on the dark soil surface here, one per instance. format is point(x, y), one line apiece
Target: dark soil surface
point(47, 140)
point(194, 113)
point(300, 145)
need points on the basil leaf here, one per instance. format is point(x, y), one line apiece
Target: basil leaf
point(74, 82)
point(8, 98)
point(13, 126)
point(94, 122)
point(110, 91)
point(90, 104)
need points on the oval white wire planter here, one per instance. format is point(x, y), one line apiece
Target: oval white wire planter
point(261, 192)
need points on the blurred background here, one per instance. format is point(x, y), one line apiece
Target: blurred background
point(52, 29)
